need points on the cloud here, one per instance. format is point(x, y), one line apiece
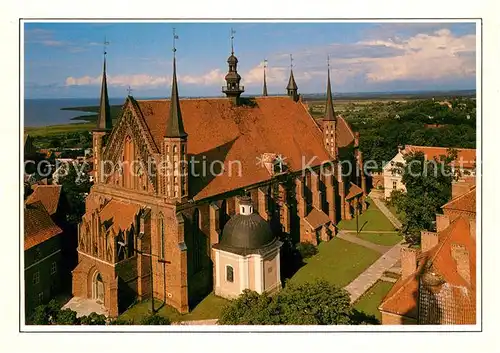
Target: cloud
point(425, 56)
point(213, 77)
point(140, 80)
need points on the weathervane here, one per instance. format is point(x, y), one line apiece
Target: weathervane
point(232, 40)
point(265, 66)
point(129, 90)
point(175, 36)
point(291, 61)
point(328, 61)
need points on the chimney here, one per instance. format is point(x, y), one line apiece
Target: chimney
point(428, 240)
point(408, 261)
point(461, 255)
point(400, 148)
point(442, 222)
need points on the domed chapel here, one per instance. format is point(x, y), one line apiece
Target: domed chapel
point(179, 234)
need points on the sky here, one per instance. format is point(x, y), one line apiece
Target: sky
point(64, 60)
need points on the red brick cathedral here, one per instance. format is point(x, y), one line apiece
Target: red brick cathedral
point(171, 172)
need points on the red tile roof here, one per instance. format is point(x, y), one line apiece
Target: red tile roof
point(220, 131)
point(402, 298)
point(49, 195)
point(38, 226)
point(465, 156)
point(353, 190)
point(465, 202)
point(121, 215)
point(317, 218)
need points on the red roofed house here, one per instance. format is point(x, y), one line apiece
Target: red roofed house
point(42, 256)
point(438, 281)
point(170, 174)
point(465, 162)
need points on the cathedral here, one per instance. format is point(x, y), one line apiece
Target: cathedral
point(192, 196)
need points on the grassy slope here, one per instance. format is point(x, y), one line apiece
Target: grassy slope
point(338, 262)
point(370, 301)
point(371, 219)
point(386, 239)
point(209, 308)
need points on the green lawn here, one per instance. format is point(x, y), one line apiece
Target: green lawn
point(208, 308)
point(371, 219)
point(58, 129)
point(370, 301)
point(387, 239)
point(338, 262)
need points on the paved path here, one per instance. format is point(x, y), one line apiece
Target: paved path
point(373, 273)
point(367, 244)
point(84, 307)
point(376, 271)
point(392, 218)
point(197, 322)
point(371, 231)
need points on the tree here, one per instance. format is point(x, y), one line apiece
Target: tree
point(67, 317)
point(75, 185)
point(315, 303)
point(428, 187)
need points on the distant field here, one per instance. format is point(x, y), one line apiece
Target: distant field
point(59, 129)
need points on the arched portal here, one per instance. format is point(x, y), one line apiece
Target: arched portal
point(98, 288)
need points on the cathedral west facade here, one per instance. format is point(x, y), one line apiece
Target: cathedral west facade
point(172, 172)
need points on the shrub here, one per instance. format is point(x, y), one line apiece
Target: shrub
point(67, 317)
point(155, 319)
point(93, 319)
point(307, 249)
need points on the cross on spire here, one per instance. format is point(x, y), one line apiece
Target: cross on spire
point(291, 61)
point(129, 90)
point(232, 40)
point(174, 37)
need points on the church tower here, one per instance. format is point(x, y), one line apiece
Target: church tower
point(174, 149)
point(291, 88)
point(233, 90)
point(264, 89)
point(330, 122)
point(104, 125)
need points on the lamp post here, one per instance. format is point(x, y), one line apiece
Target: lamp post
point(161, 260)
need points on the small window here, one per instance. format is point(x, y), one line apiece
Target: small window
point(394, 184)
point(229, 274)
point(40, 298)
point(36, 277)
point(174, 149)
point(53, 268)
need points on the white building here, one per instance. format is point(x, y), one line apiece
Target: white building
point(247, 256)
point(465, 163)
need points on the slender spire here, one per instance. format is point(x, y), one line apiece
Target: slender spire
point(104, 117)
point(291, 81)
point(232, 40)
point(264, 90)
point(330, 112)
point(175, 127)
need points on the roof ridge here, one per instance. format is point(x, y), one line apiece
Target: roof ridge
point(459, 197)
point(456, 148)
